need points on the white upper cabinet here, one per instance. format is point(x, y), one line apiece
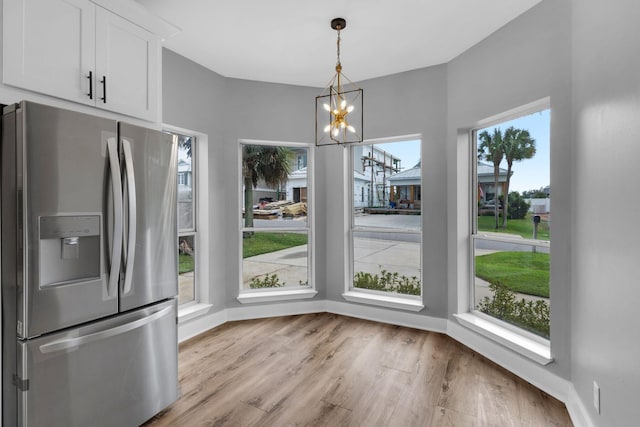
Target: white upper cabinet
point(49, 47)
point(76, 50)
point(127, 59)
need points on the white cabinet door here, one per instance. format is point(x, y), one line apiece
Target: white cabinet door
point(48, 47)
point(128, 57)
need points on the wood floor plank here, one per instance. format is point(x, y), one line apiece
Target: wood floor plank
point(460, 387)
point(329, 370)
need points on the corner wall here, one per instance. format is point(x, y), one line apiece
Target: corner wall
point(605, 335)
point(525, 61)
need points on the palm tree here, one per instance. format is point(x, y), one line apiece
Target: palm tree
point(491, 149)
point(185, 143)
point(262, 162)
point(517, 146)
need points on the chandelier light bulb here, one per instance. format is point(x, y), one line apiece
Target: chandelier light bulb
point(326, 107)
point(350, 108)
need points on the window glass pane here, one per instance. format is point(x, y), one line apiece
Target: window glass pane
point(186, 269)
point(513, 158)
point(387, 185)
point(186, 219)
point(388, 262)
point(275, 186)
point(513, 202)
point(511, 283)
point(274, 259)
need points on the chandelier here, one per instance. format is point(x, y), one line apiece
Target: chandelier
point(339, 106)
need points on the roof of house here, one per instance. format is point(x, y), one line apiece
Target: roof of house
point(410, 174)
point(487, 169)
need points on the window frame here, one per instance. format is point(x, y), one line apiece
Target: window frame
point(526, 343)
point(200, 193)
point(288, 292)
point(368, 296)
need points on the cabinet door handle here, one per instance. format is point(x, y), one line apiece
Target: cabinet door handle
point(104, 89)
point(90, 77)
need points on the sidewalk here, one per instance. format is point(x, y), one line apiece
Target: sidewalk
point(371, 255)
point(289, 264)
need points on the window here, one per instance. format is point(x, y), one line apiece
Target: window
point(511, 214)
point(386, 226)
point(187, 233)
point(275, 220)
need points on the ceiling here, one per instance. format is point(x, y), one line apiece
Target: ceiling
point(291, 41)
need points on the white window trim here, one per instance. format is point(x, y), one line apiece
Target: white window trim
point(201, 304)
point(248, 296)
point(500, 332)
point(519, 340)
point(365, 296)
point(389, 301)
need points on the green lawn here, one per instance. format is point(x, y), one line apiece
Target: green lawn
point(262, 243)
point(524, 272)
point(521, 227)
point(185, 263)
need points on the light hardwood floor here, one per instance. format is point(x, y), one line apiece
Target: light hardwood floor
point(330, 370)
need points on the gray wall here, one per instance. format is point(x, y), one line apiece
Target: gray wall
point(525, 61)
point(605, 332)
point(192, 98)
point(266, 111)
point(413, 102)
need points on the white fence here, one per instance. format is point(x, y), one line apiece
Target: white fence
point(539, 206)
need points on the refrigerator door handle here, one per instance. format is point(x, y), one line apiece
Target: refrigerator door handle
point(116, 185)
point(132, 221)
point(71, 343)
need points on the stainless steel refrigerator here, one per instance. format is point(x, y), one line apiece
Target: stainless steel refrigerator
point(89, 269)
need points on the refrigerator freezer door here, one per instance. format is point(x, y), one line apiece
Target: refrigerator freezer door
point(68, 199)
point(150, 266)
point(115, 372)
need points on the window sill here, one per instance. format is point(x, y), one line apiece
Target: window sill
point(269, 296)
point(192, 311)
point(528, 347)
point(383, 301)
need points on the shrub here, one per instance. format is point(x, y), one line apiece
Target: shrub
point(518, 207)
point(387, 282)
point(268, 281)
point(530, 315)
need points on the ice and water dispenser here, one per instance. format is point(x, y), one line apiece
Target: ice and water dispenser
point(69, 249)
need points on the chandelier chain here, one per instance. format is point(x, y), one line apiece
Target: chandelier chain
point(338, 44)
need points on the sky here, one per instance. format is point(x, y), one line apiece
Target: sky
point(534, 173)
point(407, 151)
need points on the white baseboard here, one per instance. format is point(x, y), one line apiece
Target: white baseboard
point(274, 310)
point(577, 411)
point(193, 327)
point(393, 317)
point(199, 325)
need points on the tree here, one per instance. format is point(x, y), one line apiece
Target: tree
point(491, 149)
point(518, 206)
point(262, 162)
point(185, 142)
point(517, 145)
